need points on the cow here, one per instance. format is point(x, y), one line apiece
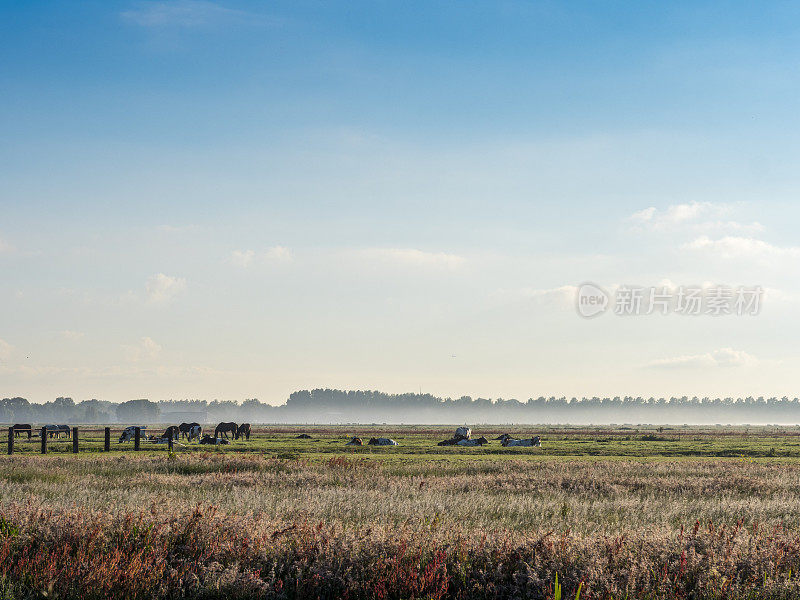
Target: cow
point(225, 429)
point(382, 442)
point(356, 441)
point(463, 433)
point(243, 431)
point(186, 429)
point(21, 429)
point(303, 436)
point(195, 432)
point(534, 441)
point(476, 442)
point(129, 433)
point(215, 441)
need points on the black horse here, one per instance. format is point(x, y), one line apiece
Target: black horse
point(243, 431)
point(21, 429)
point(225, 429)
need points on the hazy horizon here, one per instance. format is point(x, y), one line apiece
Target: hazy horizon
point(229, 199)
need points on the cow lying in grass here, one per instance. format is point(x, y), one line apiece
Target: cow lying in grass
point(476, 442)
point(214, 441)
point(506, 440)
point(356, 441)
point(382, 442)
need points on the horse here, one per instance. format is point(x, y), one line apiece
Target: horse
point(21, 428)
point(186, 429)
point(172, 432)
point(225, 429)
point(243, 431)
point(382, 442)
point(55, 431)
point(195, 432)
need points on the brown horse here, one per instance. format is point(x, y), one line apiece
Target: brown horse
point(21, 429)
point(243, 431)
point(173, 432)
point(225, 429)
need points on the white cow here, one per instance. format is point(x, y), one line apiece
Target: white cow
point(382, 442)
point(129, 434)
point(476, 442)
point(464, 433)
point(195, 432)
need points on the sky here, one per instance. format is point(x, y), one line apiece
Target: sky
point(230, 200)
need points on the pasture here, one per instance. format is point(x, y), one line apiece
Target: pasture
point(618, 512)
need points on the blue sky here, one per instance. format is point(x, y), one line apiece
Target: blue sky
point(239, 199)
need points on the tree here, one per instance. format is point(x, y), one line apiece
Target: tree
point(142, 411)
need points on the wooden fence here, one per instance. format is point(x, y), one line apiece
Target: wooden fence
point(75, 433)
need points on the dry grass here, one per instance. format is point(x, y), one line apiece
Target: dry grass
point(207, 525)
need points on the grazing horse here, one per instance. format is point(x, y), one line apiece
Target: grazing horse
point(172, 432)
point(382, 442)
point(243, 431)
point(55, 431)
point(186, 429)
point(22, 428)
point(225, 429)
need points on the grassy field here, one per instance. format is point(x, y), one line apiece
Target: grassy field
point(643, 441)
point(615, 512)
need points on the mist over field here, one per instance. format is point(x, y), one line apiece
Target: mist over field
point(327, 406)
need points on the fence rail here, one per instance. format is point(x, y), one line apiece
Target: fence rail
point(48, 437)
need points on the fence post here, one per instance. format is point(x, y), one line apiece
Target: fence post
point(107, 443)
point(137, 435)
point(74, 440)
point(10, 441)
point(44, 440)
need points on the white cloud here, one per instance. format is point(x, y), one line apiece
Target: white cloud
point(413, 257)
point(178, 13)
point(246, 258)
point(724, 357)
point(242, 258)
point(163, 288)
point(277, 253)
point(146, 349)
point(5, 350)
point(697, 217)
point(741, 247)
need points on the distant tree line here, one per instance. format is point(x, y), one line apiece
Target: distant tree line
point(337, 406)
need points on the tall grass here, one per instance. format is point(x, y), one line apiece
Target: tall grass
point(247, 526)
